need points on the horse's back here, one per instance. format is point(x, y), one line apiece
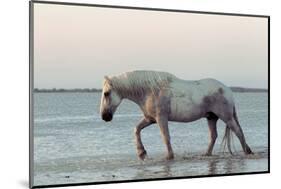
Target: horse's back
point(200, 87)
point(193, 99)
point(213, 86)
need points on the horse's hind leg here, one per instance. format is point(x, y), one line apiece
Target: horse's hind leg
point(140, 148)
point(212, 125)
point(235, 127)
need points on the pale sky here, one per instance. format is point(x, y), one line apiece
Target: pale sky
point(75, 46)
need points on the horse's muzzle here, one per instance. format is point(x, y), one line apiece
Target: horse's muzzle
point(107, 116)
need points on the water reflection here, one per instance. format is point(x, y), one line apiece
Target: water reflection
point(234, 164)
point(196, 166)
point(227, 165)
point(154, 171)
point(212, 165)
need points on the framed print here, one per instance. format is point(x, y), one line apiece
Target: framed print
point(125, 94)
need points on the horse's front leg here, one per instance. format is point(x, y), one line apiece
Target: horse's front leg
point(163, 124)
point(140, 148)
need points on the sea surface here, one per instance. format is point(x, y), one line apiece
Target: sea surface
point(72, 144)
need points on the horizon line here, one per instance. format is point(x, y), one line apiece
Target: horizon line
point(54, 90)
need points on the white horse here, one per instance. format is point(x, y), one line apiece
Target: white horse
point(163, 97)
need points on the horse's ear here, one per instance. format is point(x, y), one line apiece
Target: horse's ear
point(106, 78)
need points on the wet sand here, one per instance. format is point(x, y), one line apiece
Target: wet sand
point(126, 167)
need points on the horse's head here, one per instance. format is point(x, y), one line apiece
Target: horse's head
point(110, 100)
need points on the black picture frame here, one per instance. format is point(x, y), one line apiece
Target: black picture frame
point(31, 87)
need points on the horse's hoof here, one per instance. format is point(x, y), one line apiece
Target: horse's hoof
point(170, 157)
point(207, 154)
point(142, 155)
point(249, 153)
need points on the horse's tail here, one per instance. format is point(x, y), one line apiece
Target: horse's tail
point(235, 116)
point(227, 138)
point(226, 141)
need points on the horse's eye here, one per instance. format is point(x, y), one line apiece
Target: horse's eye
point(106, 93)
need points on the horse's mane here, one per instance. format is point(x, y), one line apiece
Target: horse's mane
point(141, 82)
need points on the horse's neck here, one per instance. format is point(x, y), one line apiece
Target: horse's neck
point(126, 92)
point(138, 99)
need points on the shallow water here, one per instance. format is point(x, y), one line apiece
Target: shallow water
point(73, 145)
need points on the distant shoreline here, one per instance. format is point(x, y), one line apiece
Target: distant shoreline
point(93, 90)
point(248, 90)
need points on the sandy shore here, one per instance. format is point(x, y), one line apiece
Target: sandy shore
point(87, 169)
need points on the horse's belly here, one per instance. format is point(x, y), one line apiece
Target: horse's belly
point(184, 110)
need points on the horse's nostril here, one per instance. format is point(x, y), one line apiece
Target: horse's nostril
point(107, 116)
